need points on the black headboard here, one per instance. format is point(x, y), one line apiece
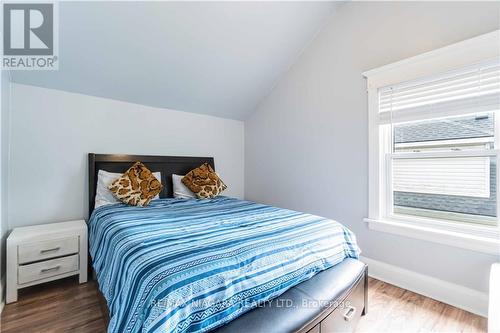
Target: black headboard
point(167, 165)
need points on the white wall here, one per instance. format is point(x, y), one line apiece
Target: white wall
point(52, 131)
point(4, 156)
point(306, 146)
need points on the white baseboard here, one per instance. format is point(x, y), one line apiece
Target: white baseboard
point(494, 308)
point(450, 293)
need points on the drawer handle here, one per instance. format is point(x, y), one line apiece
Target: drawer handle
point(351, 310)
point(50, 250)
point(55, 268)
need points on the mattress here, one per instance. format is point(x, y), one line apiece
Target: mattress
point(193, 265)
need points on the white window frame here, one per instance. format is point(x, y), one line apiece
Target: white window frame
point(481, 238)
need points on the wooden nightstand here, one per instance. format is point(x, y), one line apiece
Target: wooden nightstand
point(46, 252)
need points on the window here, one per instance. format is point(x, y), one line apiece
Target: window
point(445, 169)
point(434, 142)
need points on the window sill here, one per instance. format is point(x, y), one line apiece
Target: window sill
point(480, 242)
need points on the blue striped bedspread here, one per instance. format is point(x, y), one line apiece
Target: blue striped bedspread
point(192, 265)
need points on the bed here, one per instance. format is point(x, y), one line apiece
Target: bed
point(222, 265)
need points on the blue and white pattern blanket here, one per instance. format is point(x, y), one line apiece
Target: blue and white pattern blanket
point(192, 265)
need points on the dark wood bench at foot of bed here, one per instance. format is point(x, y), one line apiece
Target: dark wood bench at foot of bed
point(331, 301)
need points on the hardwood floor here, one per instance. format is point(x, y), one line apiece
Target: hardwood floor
point(66, 306)
point(59, 306)
point(392, 309)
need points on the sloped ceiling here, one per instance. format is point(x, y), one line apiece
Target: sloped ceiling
point(218, 58)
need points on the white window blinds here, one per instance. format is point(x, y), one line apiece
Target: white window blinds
point(468, 90)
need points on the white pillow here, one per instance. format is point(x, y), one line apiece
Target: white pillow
point(103, 195)
point(181, 190)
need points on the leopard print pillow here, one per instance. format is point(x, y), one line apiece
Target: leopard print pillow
point(204, 182)
point(137, 186)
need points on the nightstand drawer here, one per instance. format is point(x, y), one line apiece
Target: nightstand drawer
point(45, 269)
point(47, 249)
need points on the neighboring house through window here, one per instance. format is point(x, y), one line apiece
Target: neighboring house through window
point(460, 189)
